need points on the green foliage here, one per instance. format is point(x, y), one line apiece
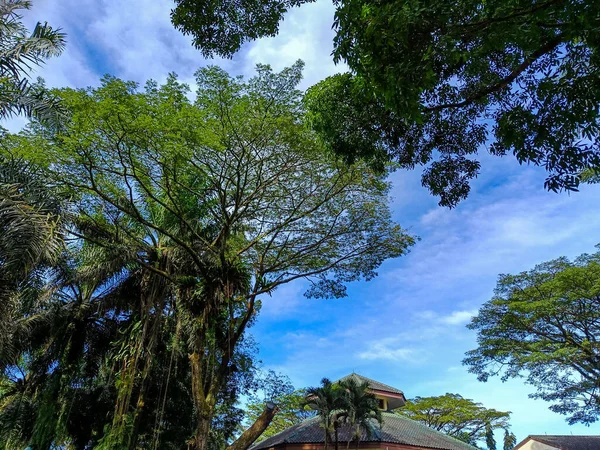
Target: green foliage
point(181, 215)
point(444, 69)
point(290, 402)
point(360, 409)
point(590, 176)
point(220, 27)
point(510, 440)
point(31, 239)
point(433, 81)
point(453, 76)
point(543, 324)
point(324, 400)
point(19, 51)
point(347, 402)
point(490, 442)
point(456, 416)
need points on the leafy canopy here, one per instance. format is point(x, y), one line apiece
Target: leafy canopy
point(184, 213)
point(543, 324)
point(441, 79)
point(456, 416)
point(434, 81)
point(291, 405)
point(222, 26)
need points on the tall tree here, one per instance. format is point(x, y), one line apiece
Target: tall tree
point(456, 416)
point(544, 324)
point(217, 202)
point(432, 82)
point(19, 51)
point(31, 239)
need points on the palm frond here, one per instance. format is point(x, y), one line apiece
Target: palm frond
point(31, 100)
point(20, 52)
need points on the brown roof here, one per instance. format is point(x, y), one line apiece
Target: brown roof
point(395, 429)
point(375, 385)
point(566, 442)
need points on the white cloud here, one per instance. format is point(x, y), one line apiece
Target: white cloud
point(454, 318)
point(387, 349)
point(458, 317)
point(304, 34)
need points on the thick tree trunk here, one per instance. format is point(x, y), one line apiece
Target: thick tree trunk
point(253, 433)
point(204, 405)
point(200, 441)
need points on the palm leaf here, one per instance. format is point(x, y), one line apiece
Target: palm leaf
point(19, 54)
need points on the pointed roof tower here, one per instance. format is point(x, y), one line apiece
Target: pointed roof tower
point(390, 397)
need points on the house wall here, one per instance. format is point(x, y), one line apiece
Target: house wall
point(535, 445)
point(362, 446)
point(385, 402)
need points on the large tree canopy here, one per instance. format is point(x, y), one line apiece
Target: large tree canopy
point(456, 416)
point(434, 81)
point(444, 78)
point(544, 324)
point(222, 26)
point(184, 215)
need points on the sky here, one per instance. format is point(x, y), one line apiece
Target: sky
point(405, 328)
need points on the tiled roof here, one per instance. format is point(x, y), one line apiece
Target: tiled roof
point(375, 385)
point(568, 442)
point(396, 429)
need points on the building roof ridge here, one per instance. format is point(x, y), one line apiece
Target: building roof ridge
point(377, 385)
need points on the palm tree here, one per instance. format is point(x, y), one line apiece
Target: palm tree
point(31, 238)
point(325, 400)
point(19, 51)
point(360, 408)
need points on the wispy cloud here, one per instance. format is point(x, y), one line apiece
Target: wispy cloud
point(388, 349)
point(458, 317)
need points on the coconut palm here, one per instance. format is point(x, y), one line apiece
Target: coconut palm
point(360, 409)
point(19, 52)
point(325, 400)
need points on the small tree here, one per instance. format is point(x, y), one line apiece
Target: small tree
point(325, 400)
point(545, 323)
point(360, 408)
point(490, 441)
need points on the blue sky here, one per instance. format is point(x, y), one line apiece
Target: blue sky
point(407, 327)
